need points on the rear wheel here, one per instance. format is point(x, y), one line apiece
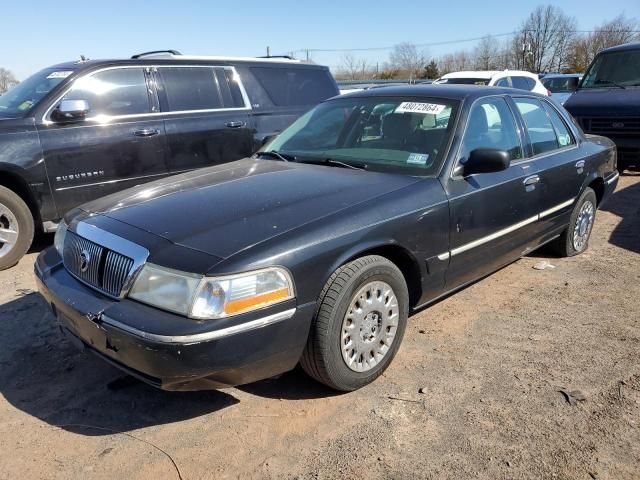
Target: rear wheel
point(16, 228)
point(575, 239)
point(359, 324)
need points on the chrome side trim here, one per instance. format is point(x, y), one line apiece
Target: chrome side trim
point(118, 180)
point(557, 207)
point(206, 336)
point(444, 256)
point(493, 236)
point(613, 178)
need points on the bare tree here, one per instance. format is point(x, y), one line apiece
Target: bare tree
point(354, 68)
point(7, 80)
point(486, 54)
point(407, 58)
point(611, 33)
point(544, 39)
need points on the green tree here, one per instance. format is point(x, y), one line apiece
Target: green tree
point(430, 71)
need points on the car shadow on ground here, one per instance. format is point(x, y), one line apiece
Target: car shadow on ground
point(45, 376)
point(625, 203)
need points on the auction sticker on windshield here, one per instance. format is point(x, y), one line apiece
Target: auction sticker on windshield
point(417, 107)
point(60, 74)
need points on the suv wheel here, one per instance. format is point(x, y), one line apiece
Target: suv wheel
point(16, 228)
point(359, 324)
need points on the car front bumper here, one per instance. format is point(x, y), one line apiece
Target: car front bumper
point(192, 355)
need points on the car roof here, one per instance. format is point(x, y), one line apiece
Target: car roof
point(488, 74)
point(624, 46)
point(452, 92)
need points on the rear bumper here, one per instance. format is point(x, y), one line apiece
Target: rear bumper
point(219, 355)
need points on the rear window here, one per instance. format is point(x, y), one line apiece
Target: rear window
point(523, 83)
point(295, 86)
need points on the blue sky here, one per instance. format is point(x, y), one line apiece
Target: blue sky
point(38, 34)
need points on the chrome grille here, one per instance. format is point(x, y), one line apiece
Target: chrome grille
point(95, 265)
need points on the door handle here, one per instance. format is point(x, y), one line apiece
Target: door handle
point(580, 165)
point(532, 180)
point(235, 124)
point(146, 132)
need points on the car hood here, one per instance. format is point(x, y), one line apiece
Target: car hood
point(227, 208)
point(604, 102)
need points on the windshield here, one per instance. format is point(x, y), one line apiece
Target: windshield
point(621, 69)
point(464, 81)
point(399, 135)
point(19, 100)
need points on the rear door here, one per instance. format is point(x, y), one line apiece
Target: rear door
point(554, 152)
point(119, 144)
point(206, 116)
point(492, 214)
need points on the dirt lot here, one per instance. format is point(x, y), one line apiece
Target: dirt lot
point(490, 361)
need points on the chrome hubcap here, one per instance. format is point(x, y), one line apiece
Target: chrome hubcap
point(8, 230)
point(370, 326)
point(583, 225)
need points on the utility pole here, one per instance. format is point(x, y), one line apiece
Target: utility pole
point(268, 51)
point(307, 50)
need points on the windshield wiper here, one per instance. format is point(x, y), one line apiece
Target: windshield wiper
point(280, 156)
point(338, 163)
point(609, 82)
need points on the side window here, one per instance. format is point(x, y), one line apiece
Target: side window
point(189, 88)
point(491, 125)
point(503, 82)
point(562, 132)
point(295, 86)
point(120, 91)
point(541, 132)
point(234, 88)
point(523, 83)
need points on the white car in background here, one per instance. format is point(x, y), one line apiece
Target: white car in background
point(505, 78)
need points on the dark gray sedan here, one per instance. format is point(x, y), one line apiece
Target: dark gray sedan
point(316, 249)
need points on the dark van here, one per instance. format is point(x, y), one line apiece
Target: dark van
point(81, 130)
point(607, 101)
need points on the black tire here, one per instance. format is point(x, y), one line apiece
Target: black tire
point(564, 245)
point(323, 357)
point(14, 210)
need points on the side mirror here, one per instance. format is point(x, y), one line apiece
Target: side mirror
point(486, 160)
point(70, 110)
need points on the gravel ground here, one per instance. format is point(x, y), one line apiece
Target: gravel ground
point(491, 362)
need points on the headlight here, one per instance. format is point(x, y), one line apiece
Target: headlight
point(61, 233)
point(211, 297)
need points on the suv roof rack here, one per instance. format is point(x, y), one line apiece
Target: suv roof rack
point(288, 57)
point(156, 52)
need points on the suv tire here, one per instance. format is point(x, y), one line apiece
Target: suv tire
point(16, 228)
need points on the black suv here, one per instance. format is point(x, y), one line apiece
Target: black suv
point(80, 130)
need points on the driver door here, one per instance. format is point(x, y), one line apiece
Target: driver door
point(117, 145)
point(492, 215)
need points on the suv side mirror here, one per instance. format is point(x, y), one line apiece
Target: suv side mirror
point(70, 110)
point(486, 160)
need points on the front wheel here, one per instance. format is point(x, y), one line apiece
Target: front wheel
point(16, 228)
point(359, 324)
point(575, 239)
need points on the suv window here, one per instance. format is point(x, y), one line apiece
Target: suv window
point(523, 83)
point(503, 82)
point(541, 131)
point(121, 91)
point(491, 125)
point(189, 88)
point(295, 86)
point(562, 132)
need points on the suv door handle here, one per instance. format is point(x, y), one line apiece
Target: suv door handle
point(532, 180)
point(235, 124)
point(146, 132)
